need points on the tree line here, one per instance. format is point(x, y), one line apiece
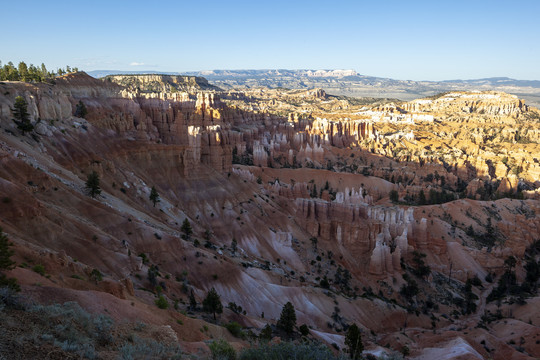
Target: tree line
point(31, 73)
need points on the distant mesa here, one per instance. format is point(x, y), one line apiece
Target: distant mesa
point(351, 83)
point(161, 82)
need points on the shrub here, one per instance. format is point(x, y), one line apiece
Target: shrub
point(74, 330)
point(148, 349)
point(324, 283)
point(96, 275)
point(409, 290)
point(475, 281)
point(235, 329)
point(237, 309)
point(288, 350)
point(40, 269)
point(161, 302)
point(266, 333)
point(9, 298)
point(304, 330)
point(222, 350)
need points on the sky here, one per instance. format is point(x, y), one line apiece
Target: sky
point(406, 40)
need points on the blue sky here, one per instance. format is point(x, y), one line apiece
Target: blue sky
point(416, 40)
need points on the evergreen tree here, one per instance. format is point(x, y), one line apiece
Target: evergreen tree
point(5, 252)
point(23, 71)
point(192, 301)
point(287, 319)
point(22, 117)
point(154, 196)
point(186, 229)
point(353, 340)
point(266, 333)
point(304, 330)
point(313, 193)
point(10, 72)
point(212, 303)
point(44, 72)
point(92, 184)
point(394, 196)
point(81, 110)
point(6, 263)
point(421, 198)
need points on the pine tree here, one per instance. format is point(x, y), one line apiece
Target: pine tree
point(212, 303)
point(421, 198)
point(44, 72)
point(266, 333)
point(192, 301)
point(81, 110)
point(154, 196)
point(11, 73)
point(6, 263)
point(22, 117)
point(92, 184)
point(186, 229)
point(287, 319)
point(353, 340)
point(394, 196)
point(23, 71)
point(5, 252)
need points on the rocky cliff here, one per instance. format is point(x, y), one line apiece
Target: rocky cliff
point(152, 83)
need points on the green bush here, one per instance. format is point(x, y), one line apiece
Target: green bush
point(161, 302)
point(288, 350)
point(222, 350)
point(40, 269)
point(96, 275)
point(235, 329)
point(266, 333)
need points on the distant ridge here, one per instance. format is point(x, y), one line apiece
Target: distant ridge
point(350, 83)
point(103, 73)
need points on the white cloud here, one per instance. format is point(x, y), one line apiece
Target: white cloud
point(137, 64)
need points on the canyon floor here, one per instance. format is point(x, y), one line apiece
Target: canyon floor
point(418, 221)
